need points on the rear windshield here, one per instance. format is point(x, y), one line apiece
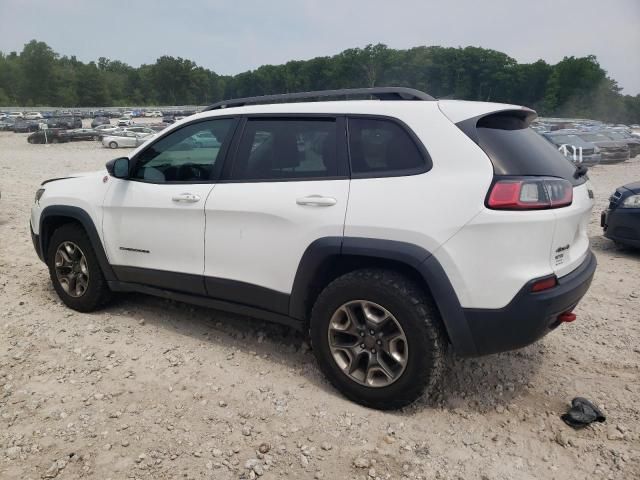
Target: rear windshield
point(516, 150)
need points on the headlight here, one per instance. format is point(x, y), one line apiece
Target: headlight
point(39, 194)
point(631, 202)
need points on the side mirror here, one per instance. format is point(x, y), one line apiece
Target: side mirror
point(118, 167)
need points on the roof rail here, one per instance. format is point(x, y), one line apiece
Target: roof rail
point(381, 93)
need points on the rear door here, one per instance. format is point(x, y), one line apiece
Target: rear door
point(287, 186)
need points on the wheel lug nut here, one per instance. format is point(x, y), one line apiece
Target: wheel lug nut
point(379, 342)
point(362, 334)
point(362, 345)
point(371, 332)
point(373, 350)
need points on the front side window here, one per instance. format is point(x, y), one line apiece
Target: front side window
point(382, 147)
point(280, 149)
point(189, 154)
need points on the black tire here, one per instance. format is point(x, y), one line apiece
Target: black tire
point(97, 293)
point(416, 314)
point(113, 145)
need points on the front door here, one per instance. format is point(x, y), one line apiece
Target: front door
point(153, 223)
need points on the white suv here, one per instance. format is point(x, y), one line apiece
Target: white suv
point(389, 229)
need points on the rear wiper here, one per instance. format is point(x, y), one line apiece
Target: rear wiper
point(581, 171)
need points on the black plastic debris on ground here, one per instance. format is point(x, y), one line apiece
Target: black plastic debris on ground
point(582, 413)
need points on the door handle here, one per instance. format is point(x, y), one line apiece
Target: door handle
point(186, 198)
point(317, 201)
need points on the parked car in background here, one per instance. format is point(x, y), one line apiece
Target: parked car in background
point(624, 136)
point(611, 151)
point(103, 130)
point(49, 135)
point(33, 116)
point(153, 114)
point(126, 139)
point(621, 221)
point(24, 126)
point(168, 119)
point(100, 121)
point(81, 134)
point(138, 129)
point(64, 121)
point(7, 124)
point(205, 140)
point(158, 127)
point(590, 152)
point(16, 115)
point(124, 121)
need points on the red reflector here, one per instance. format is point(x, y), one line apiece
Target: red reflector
point(544, 284)
point(567, 317)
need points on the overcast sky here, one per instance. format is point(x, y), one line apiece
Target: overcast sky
point(233, 36)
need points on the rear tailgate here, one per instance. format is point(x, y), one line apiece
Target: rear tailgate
point(570, 238)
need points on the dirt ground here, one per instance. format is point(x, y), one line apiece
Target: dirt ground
point(154, 389)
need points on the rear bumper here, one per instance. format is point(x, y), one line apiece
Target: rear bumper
point(529, 316)
point(622, 225)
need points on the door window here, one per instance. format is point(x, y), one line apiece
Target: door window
point(189, 154)
point(280, 149)
point(380, 147)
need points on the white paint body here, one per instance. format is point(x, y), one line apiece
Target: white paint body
point(257, 232)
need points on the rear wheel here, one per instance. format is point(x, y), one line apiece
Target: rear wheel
point(113, 145)
point(75, 271)
point(378, 338)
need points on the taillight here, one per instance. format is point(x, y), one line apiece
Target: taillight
point(530, 193)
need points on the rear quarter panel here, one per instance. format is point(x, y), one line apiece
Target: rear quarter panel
point(429, 208)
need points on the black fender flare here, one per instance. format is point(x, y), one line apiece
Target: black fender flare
point(422, 261)
point(81, 216)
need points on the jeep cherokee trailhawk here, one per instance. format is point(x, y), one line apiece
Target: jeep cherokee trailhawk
point(389, 228)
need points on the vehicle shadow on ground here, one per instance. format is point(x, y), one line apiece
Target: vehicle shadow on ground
point(478, 384)
point(274, 343)
point(493, 381)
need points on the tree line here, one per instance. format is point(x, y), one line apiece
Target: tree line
point(573, 87)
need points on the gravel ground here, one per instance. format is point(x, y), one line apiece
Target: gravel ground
point(154, 389)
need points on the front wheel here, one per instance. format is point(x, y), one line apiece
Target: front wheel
point(378, 338)
point(113, 145)
point(75, 271)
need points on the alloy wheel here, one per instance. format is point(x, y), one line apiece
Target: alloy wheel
point(367, 343)
point(71, 269)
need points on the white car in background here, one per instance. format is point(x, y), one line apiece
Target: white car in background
point(15, 115)
point(33, 116)
point(125, 121)
point(154, 113)
point(125, 139)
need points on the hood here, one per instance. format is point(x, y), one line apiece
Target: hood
point(96, 173)
point(634, 187)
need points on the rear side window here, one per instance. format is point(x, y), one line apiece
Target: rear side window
point(281, 149)
point(516, 149)
point(380, 147)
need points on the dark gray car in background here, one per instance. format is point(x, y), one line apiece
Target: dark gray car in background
point(611, 151)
